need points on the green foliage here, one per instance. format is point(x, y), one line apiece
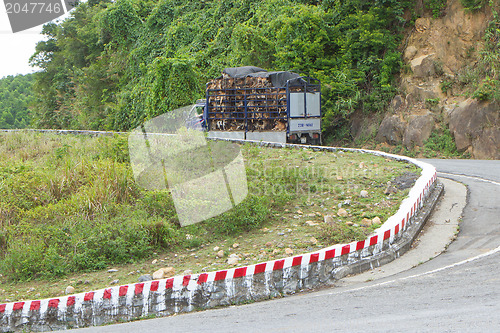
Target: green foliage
point(248, 215)
point(482, 79)
point(15, 97)
point(440, 141)
point(446, 86)
point(431, 102)
point(113, 65)
point(473, 5)
point(437, 7)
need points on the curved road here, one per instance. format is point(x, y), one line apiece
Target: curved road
point(458, 291)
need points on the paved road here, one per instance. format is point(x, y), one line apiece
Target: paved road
point(458, 291)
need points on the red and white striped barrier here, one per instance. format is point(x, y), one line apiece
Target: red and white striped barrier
point(224, 287)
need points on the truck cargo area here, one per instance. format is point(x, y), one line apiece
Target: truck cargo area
point(250, 103)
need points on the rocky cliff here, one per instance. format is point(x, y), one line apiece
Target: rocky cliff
point(436, 52)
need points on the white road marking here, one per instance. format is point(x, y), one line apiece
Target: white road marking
point(470, 177)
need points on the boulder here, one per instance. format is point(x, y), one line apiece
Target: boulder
point(398, 102)
point(475, 125)
point(145, 278)
point(422, 24)
point(488, 145)
point(419, 129)
point(391, 130)
point(423, 66)
point(410, 52)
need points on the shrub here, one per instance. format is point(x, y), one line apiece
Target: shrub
point(440, 141)
point(473, 5)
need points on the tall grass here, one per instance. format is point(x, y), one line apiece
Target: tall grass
point(70, 203)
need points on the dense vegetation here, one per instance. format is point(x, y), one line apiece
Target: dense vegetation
point(113, 64)
point(15, 97)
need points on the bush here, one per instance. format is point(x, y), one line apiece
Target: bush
point(248, 215)
point(440, 141)
point(473, 5)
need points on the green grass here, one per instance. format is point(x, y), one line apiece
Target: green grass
point(69, 204)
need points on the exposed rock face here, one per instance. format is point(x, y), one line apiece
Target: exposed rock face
point(436, 51)
point(476, 127)
point(488, 145)
point(423, 66)
point(391, 130)
point(419, 129)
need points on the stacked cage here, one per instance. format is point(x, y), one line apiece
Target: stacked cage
point(246, 104)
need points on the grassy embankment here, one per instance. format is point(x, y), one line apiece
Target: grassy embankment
point(70, 210)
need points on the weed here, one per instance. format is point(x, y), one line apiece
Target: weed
point(431, 102)
point(473, 5)
point(446, 86)
point(440, 141)
point(437, 7)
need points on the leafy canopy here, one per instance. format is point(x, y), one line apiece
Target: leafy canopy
point(114, 64)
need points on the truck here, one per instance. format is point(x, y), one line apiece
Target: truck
point(251, 103)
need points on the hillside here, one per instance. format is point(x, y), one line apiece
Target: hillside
point(417, 78)
point(15, 96)
point(450, 88)
point(112, 65)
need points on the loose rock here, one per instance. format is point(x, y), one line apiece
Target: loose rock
point(157, 275)
point(112, 270)
point(233, 260)
point(314, 241)
point(366, 222)
point(342, 212)
point(69, 290)
point(311, 223)
point(390, 189)
point(145, 278)
point(220, 254)
point(364, 194)
point(288, 251)
point(216, 249)
point(114, 282)
point(376, 220)
point(154, 262)
point(349, 223)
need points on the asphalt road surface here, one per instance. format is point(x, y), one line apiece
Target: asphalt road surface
point(458, 291)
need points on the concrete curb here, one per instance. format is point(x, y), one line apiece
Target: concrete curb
point(238, 285)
